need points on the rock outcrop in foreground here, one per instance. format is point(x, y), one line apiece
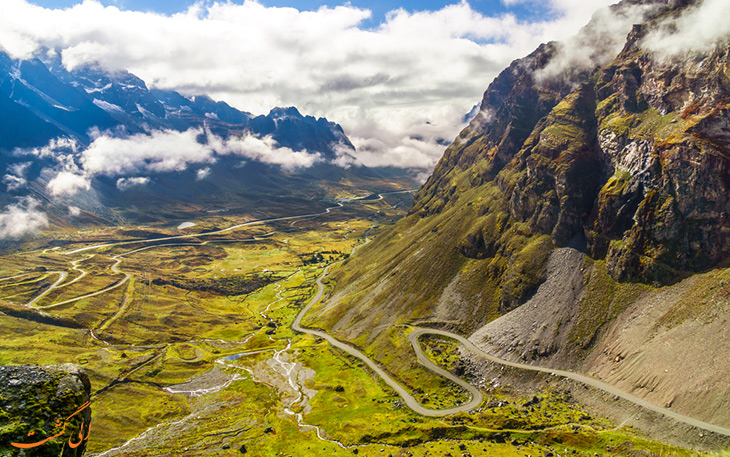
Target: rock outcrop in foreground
point(44, 411)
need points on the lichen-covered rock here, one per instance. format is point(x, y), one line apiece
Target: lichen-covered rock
point(44, 410)
point(665, 208)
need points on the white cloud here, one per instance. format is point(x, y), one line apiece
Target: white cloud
point(264, 150)
point(16, 177)
point(69, 178)
point(344, 156)
point(599, 42)
point(21, 219)
point(128, 183)
point(577, 8)
point(14, 182)
point(202, 174)
point(156, 152)
point(160, 151)
point(699, 29)
point(74, 211)
point(51, 150)
point(415, 67)
point(68, 183)
point(170, 150)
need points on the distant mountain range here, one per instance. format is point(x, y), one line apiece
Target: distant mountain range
point(44, 101)
point(228, 156)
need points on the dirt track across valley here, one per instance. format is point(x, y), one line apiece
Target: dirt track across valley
point(476, 396)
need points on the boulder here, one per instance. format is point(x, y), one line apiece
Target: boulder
point(44, 410)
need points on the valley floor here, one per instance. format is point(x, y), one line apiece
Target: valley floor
point(190, 343)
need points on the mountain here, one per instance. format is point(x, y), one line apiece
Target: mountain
point(30, 84)
point(89, 97)
point(21, 128)
point(581, 221)
point(105, 143)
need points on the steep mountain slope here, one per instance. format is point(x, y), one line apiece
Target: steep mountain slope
point(89, 97)
point(103, 143)
point(622, 159)
point(30, 84)
point(22, 128)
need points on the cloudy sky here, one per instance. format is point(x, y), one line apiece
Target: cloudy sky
point(398, 75)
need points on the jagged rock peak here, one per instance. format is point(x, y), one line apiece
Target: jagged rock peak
point(607, 141)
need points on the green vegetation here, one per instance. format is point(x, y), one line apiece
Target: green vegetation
point(648, 124)
point(195, 354)
point(616, 185)
point(443, 351)
point(234, 285)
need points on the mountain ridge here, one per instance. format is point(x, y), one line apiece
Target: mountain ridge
point(103, 143)
point(624, 161)
point(122, 99)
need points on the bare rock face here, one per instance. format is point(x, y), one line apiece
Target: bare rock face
point(632, 156)
point(44, 411)
point(663, 130)
point(624, 157)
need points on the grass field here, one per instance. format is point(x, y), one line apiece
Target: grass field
point(190, 352)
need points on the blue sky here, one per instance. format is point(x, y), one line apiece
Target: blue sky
point(527, 11)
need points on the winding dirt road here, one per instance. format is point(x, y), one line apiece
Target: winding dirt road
point(62, 277)
point(114, 269)
point(476, 396)
point(583, 379)
point(408, 399)
point(236, 227)
point(127, 276)
point(197, 235)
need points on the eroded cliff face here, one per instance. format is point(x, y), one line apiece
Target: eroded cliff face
point(44, 411)
point(622, 155)
point(633, 158)
point(664, 209)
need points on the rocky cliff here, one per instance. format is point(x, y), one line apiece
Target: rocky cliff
point(633, 156)
point(44, 411)
point(602, 145)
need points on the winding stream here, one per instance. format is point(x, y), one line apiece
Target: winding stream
point(287, 370)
